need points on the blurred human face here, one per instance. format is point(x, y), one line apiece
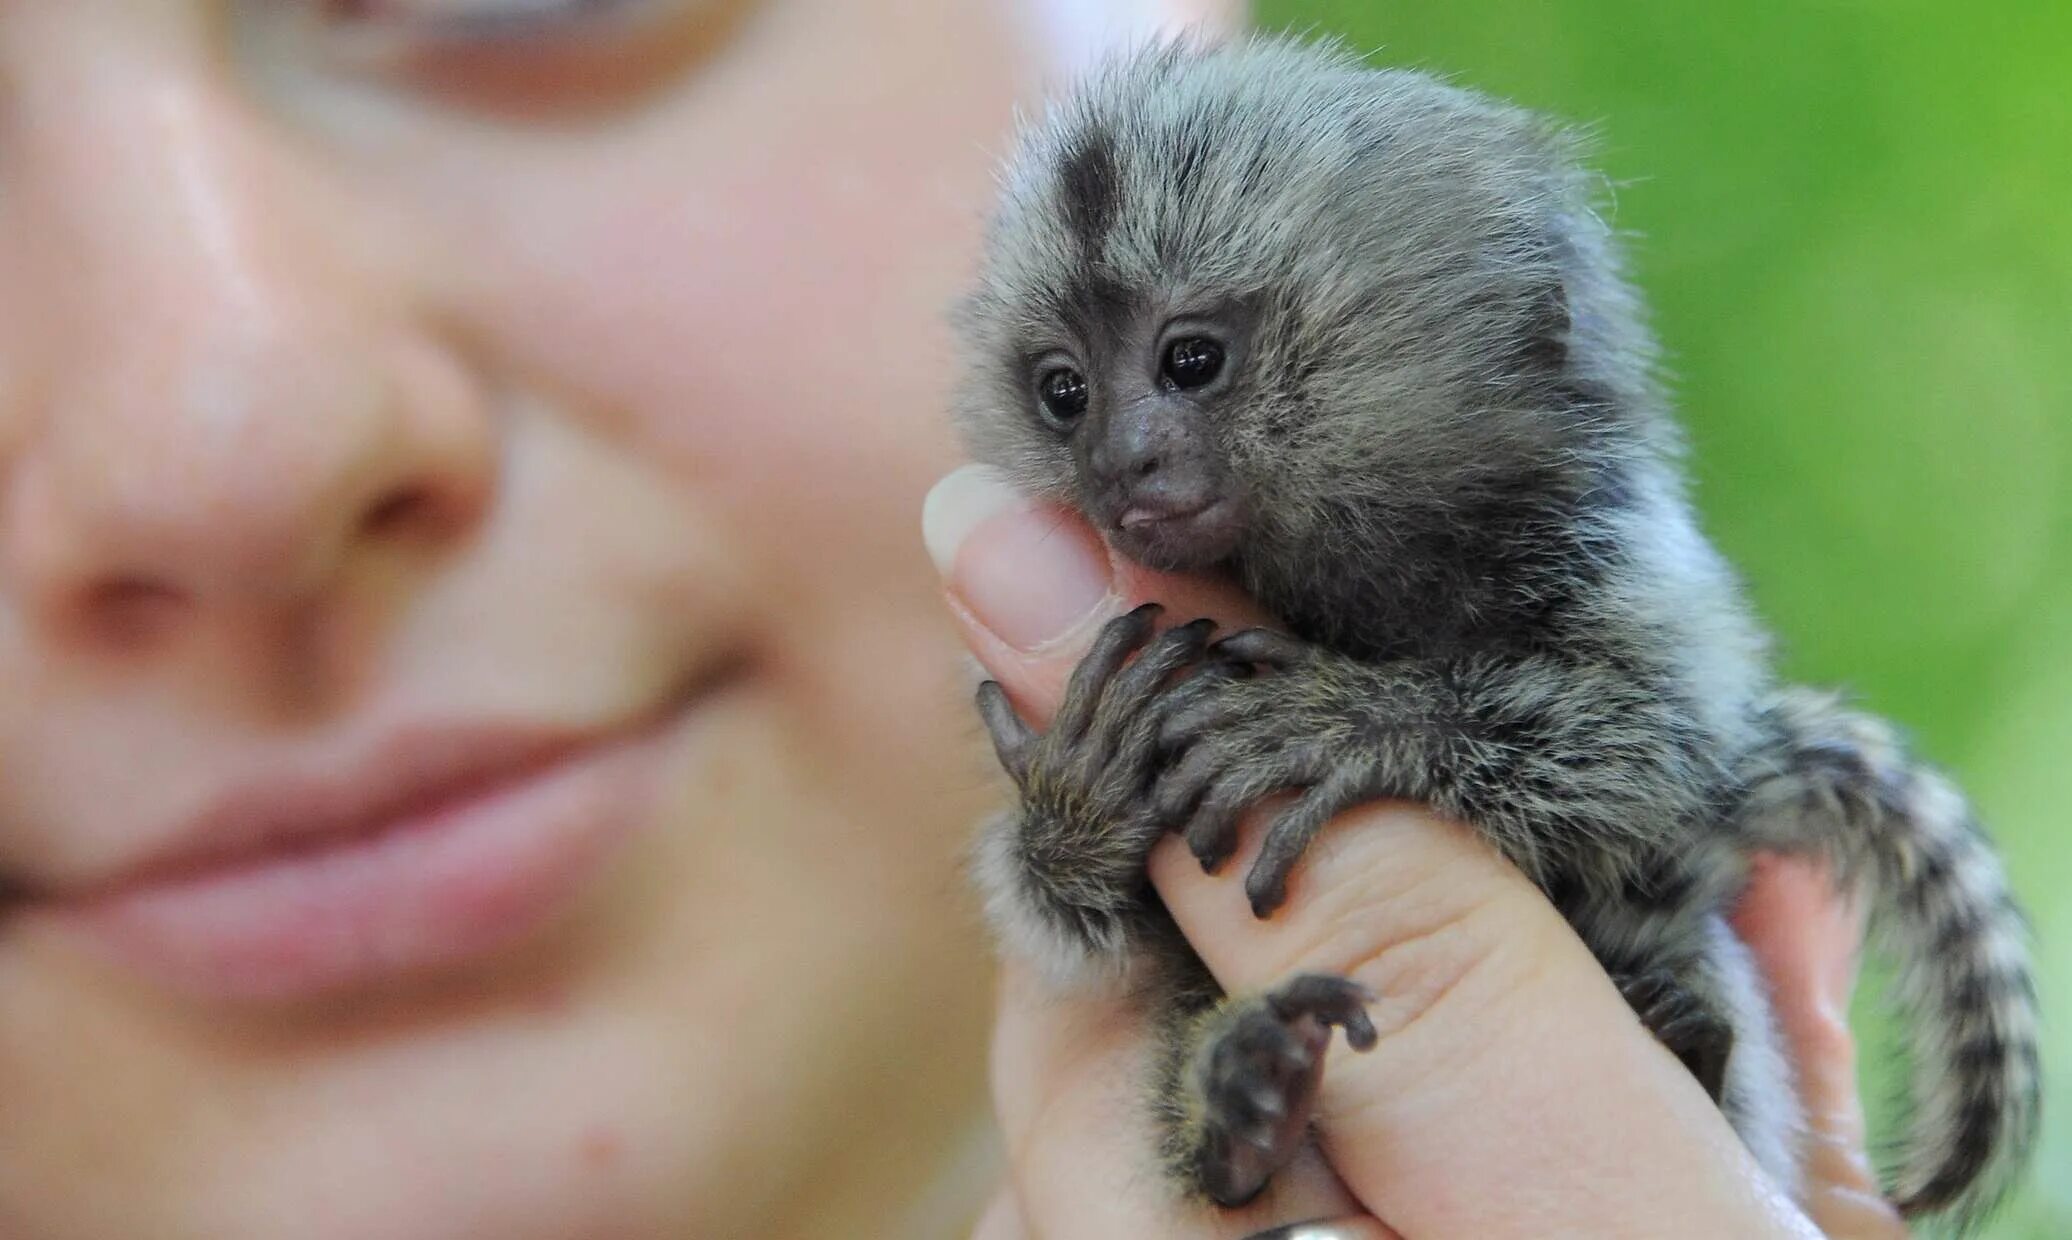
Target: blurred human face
point(478, 751)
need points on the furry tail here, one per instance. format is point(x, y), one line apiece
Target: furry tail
point(1838, 783)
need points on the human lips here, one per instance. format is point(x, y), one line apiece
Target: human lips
point(437, 846)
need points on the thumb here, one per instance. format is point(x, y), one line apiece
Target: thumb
point(1029, 583)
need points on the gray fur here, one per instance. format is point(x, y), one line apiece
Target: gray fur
point(1449, 468)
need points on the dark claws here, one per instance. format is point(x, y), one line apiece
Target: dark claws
point(1117, 640)
point(1267, 884)
point(1328, 1000)
point(1291, 832)
point(1212, 833)
point(1011, 736)
point(1264, 647)
point(1175, 648)
point(1267, 888)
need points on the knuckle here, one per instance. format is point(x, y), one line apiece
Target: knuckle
point(1410, 916)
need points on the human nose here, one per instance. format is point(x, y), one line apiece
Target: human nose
point(238, 402)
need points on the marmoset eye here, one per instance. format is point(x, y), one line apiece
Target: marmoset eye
point(1064, 394)
point(1192, 361)
point(1372, 450)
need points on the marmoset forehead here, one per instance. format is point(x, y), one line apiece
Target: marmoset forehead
point(1180, 162)
point(1201, 204)
point(1247, 168)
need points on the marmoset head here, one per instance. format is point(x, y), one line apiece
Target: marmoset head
point(1260, 305)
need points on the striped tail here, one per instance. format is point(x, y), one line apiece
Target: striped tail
point(1838, 783)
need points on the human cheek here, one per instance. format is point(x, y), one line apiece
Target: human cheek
point(754, 302)
point(760, 315)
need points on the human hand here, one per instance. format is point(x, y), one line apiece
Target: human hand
point(1513, 1091)
point(1806, 939)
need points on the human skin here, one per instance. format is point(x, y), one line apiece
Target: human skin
point(1512, 1093)
point(344, 385)
point(652, 334)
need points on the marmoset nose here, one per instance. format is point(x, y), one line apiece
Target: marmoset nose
point(1153, 452)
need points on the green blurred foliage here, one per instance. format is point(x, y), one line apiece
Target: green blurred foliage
point(1854, 221)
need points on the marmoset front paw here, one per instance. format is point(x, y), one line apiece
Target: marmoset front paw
point(1073, 856)
point(1305, 725)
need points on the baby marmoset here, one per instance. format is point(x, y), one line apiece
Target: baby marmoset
point(1357, 338)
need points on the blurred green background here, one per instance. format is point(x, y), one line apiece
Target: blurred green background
point(1854, 221)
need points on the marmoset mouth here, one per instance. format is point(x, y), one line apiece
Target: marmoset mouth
point(1180, 538)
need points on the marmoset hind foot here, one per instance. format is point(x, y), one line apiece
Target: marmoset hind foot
point(1361, 341)
point(1243, 1079)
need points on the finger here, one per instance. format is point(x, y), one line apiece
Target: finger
point(1513, 1092)
point(1805, 937)
point(1002, 1220)
point(1030, 585)
point(1500, 1027)
point(1068, 1074)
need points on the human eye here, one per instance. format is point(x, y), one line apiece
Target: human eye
point(487, 21)
point(516, 56)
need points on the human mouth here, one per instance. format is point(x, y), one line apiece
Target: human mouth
point(439, 847)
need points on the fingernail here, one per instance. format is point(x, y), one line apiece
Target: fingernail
point(1031, 573)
